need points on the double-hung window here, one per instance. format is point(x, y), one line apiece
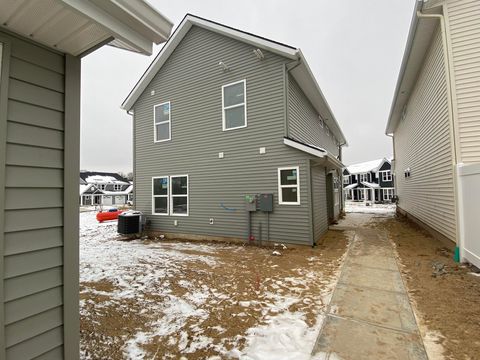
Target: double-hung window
point(117, 187)
point(346, 179)
point(388, 193)
point(162, 122)
point(234, 105)
point(160, 192)
point(179, 195)
point(363, 177)
point(289, 186)
point(170, 195)
point(386, 175)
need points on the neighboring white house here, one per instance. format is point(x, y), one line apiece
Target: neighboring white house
point(435, 123)
point(102, 188)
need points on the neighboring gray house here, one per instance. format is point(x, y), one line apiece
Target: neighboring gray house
point(104, 188)
point(41, 46)
point(221, 115)
point(369, 181)
point(435, 123)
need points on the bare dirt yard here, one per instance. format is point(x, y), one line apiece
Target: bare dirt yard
point(445, 294)
point(160, 299)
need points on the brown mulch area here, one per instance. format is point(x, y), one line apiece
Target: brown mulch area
point(248, 274)
point(445, 294)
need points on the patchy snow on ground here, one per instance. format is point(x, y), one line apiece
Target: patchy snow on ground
point(154, 277)
point(361, 207)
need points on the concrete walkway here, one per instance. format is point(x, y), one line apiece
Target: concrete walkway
point(369, 316)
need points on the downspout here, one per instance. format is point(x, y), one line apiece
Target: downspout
point(453, 129)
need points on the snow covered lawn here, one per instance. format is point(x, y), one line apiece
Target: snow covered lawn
point(361, 207)
point(173, 299)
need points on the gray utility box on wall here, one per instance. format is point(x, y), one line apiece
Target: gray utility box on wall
point(265, 202)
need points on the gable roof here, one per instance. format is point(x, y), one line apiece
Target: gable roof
point(102, 177)
point(418, 43)
point(301, 73)
point(368, 166)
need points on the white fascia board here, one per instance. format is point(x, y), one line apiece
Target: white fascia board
point(418, 42)
point(303, 75)
point(178, 35)
point(112, 25)
point(307, 149)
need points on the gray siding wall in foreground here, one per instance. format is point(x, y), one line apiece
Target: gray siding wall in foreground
point(423, 144)
point(303, 121)
point(319, 201)
point(191, 80)
point(33, 202)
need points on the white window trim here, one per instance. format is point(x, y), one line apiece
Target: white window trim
point(346, 179)
point(117, 187)
point(386, 172)
point(244, 104)
point(363, 177)
point(280, 186)
point(162, 122)
point(165, 196)
point(387, 192)
point(171, 196)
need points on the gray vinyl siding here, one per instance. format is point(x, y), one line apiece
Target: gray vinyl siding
point(191, 80)
point(319, 201)
point(303, 120)
point(423, 144)
point(464, 33)
point(33, 202)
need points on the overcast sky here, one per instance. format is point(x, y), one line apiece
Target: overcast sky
point(353, 47)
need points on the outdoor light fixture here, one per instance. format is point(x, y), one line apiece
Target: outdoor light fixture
point(259, 54)
point(223, 66)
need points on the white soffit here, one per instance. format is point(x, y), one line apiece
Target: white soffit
point(309, 149)
point(78, 26)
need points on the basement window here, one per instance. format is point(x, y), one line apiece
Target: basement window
point(288, 186)
point(162, 122)
point(160, 192)
point(234, 105)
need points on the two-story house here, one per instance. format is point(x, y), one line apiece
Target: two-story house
point(104, 188)
point(369, 181)
point(222, 115)
point(435, 123)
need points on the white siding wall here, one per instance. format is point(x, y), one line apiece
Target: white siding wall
point(464, 27)
point(422, 143)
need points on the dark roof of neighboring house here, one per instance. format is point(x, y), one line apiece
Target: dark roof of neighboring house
point(85, 174)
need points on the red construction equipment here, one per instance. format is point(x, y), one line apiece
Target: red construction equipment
point(111, 214)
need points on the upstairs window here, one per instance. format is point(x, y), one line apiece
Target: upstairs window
point(102, 186)
point(234, 105)
point(117, 187)
point(288, 186)
point(363, 177)
point(162, 122)
point(346, 179)
point(386, 175)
